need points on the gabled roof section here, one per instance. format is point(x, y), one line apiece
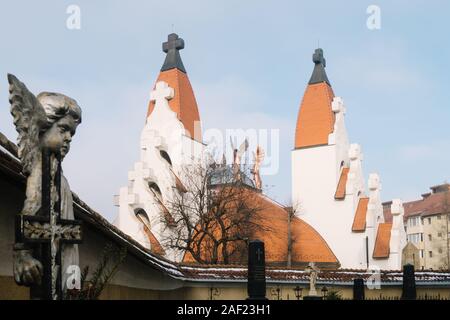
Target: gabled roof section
point(183, 103)
point(359, 222)
point(381, 249)
point(435, 203)
point(340, 188)
point(315, 118)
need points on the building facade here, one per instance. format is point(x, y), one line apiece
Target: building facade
point(328, 184)
point(329, 191)
point(171, 139)
point(428, 228)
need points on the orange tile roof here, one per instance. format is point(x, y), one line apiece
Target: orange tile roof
point(381, 248)
point(359, 222)
point(435, 203)
point(156, 247)
point(154, 243)
point(340, 189)
point(178, 184)
point(315, 119)
point(307, 244)
point(430, 204)
point(183, 102)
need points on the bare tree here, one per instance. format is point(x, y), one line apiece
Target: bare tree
point(215, 216)
point(292, 210)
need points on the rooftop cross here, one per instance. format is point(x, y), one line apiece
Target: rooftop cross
point(319, 74)
point(173, 58)
point(173, 43)
point(318, 57)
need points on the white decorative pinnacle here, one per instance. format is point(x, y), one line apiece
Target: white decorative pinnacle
point(337, 105)
point(374, 182)
point(397, 207)
point(162, 93)
point(354, 152)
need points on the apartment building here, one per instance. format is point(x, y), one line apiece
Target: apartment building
point(428, 229)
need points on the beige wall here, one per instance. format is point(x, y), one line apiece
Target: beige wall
point(195, 291)
point(201, 291)
point(438, 244)
point(438, 227)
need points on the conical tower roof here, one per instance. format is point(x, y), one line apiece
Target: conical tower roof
point(315, 118)
point(183, 102)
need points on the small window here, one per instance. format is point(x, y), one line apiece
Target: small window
point(430, 254)
point(141, 213)
point(429, 220)
point(421, 254)
point(429, 237)
point(440, 250)
point(421, 237)
point(155, 189)
point(439, 234)
point(439, 217)
point(165, 156)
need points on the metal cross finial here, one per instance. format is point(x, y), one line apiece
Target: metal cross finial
point(318, 57)
point(173, 43)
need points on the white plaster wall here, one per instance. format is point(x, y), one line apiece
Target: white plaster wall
point(315, 176)
point(314, 181)
point(162, 131)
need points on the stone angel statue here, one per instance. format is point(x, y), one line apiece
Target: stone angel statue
point(237, 156)
point(258, 158)
point(313, 273)
point(46, 121)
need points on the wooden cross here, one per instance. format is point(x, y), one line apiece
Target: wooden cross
point(47, 232)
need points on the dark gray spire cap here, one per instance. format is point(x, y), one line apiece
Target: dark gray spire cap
point(319, 75)
point(173, 58)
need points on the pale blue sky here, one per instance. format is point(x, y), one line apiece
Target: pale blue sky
point(249, 62)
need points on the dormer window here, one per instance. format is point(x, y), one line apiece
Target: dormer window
point(143, 217)
point(165, 156)
point(155, 190)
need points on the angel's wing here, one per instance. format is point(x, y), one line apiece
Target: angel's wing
point(243, 147)
point(258, 156)
point(29, 119)
point(232, 144)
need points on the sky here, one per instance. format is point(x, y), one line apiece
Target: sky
point(249, 63)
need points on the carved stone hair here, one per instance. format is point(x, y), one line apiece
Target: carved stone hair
point(58, 106)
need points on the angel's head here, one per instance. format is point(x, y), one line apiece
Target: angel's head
point(63, 117)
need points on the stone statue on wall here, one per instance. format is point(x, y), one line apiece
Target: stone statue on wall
point(49, 122)
point(313, 272)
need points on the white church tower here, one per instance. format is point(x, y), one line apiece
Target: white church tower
point(170, 140)
point(328, 186)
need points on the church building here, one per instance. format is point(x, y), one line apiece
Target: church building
point(339, 218)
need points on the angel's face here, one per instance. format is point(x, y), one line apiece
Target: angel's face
point(59, 136)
